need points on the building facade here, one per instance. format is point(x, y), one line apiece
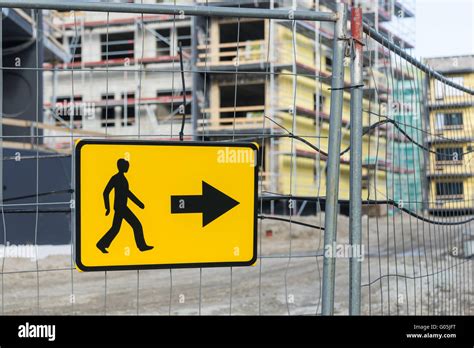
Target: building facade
point(247, 79)
point(450, 173)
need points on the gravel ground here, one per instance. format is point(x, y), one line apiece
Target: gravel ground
point(434, 277)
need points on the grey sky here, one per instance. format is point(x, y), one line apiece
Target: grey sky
point(444, 27)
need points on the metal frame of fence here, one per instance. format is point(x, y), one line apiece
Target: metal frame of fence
point(344, 45)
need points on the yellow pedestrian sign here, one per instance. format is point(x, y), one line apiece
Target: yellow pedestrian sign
point(149, 204)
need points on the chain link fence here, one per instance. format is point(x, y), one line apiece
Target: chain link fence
point(364, 202)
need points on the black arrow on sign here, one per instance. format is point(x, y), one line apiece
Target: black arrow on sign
point(212, 204)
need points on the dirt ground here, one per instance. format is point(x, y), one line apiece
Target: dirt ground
point(434, 277)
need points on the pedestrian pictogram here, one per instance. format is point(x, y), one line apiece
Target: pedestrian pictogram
point(148, 204)
point(119, 184)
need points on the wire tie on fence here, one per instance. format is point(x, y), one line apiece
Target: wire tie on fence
point(349, 50)
point(344, 38)
point(360, 42)
point(181, 132)
point(346, 87)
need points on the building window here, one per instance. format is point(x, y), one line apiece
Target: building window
point(242, 101)
point(75, 48)
point(449, 154)
point(107, 111)
point(127, 111)
point(439, 89)
point(328, 62)
point(230, 32)
point(449, 188)
point(439, 121)
point(322, 101)
point(246, 45)
point(184, 35)
point(163, 42)
point(67, 108)
point(454, 92)
point(452, 120)
point(442, 90)
point(117, 45)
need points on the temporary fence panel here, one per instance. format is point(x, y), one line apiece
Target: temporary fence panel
point(364, 203)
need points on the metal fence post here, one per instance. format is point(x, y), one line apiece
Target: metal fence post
point(1, 110)
point(196, 78)
point(333, 161)
point(355, 218)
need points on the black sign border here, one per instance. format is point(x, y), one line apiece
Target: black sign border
point(77, 240)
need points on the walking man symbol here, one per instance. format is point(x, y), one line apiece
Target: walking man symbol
point(119, 183)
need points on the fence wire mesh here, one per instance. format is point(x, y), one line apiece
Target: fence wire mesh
point(242, 79)
point(417, 255)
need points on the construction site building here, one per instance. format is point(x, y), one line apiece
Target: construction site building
point(248, 79)
point(450, 112)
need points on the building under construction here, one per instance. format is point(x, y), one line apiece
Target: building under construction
point(244, 78)
point(127, 75)
point(449, 112)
